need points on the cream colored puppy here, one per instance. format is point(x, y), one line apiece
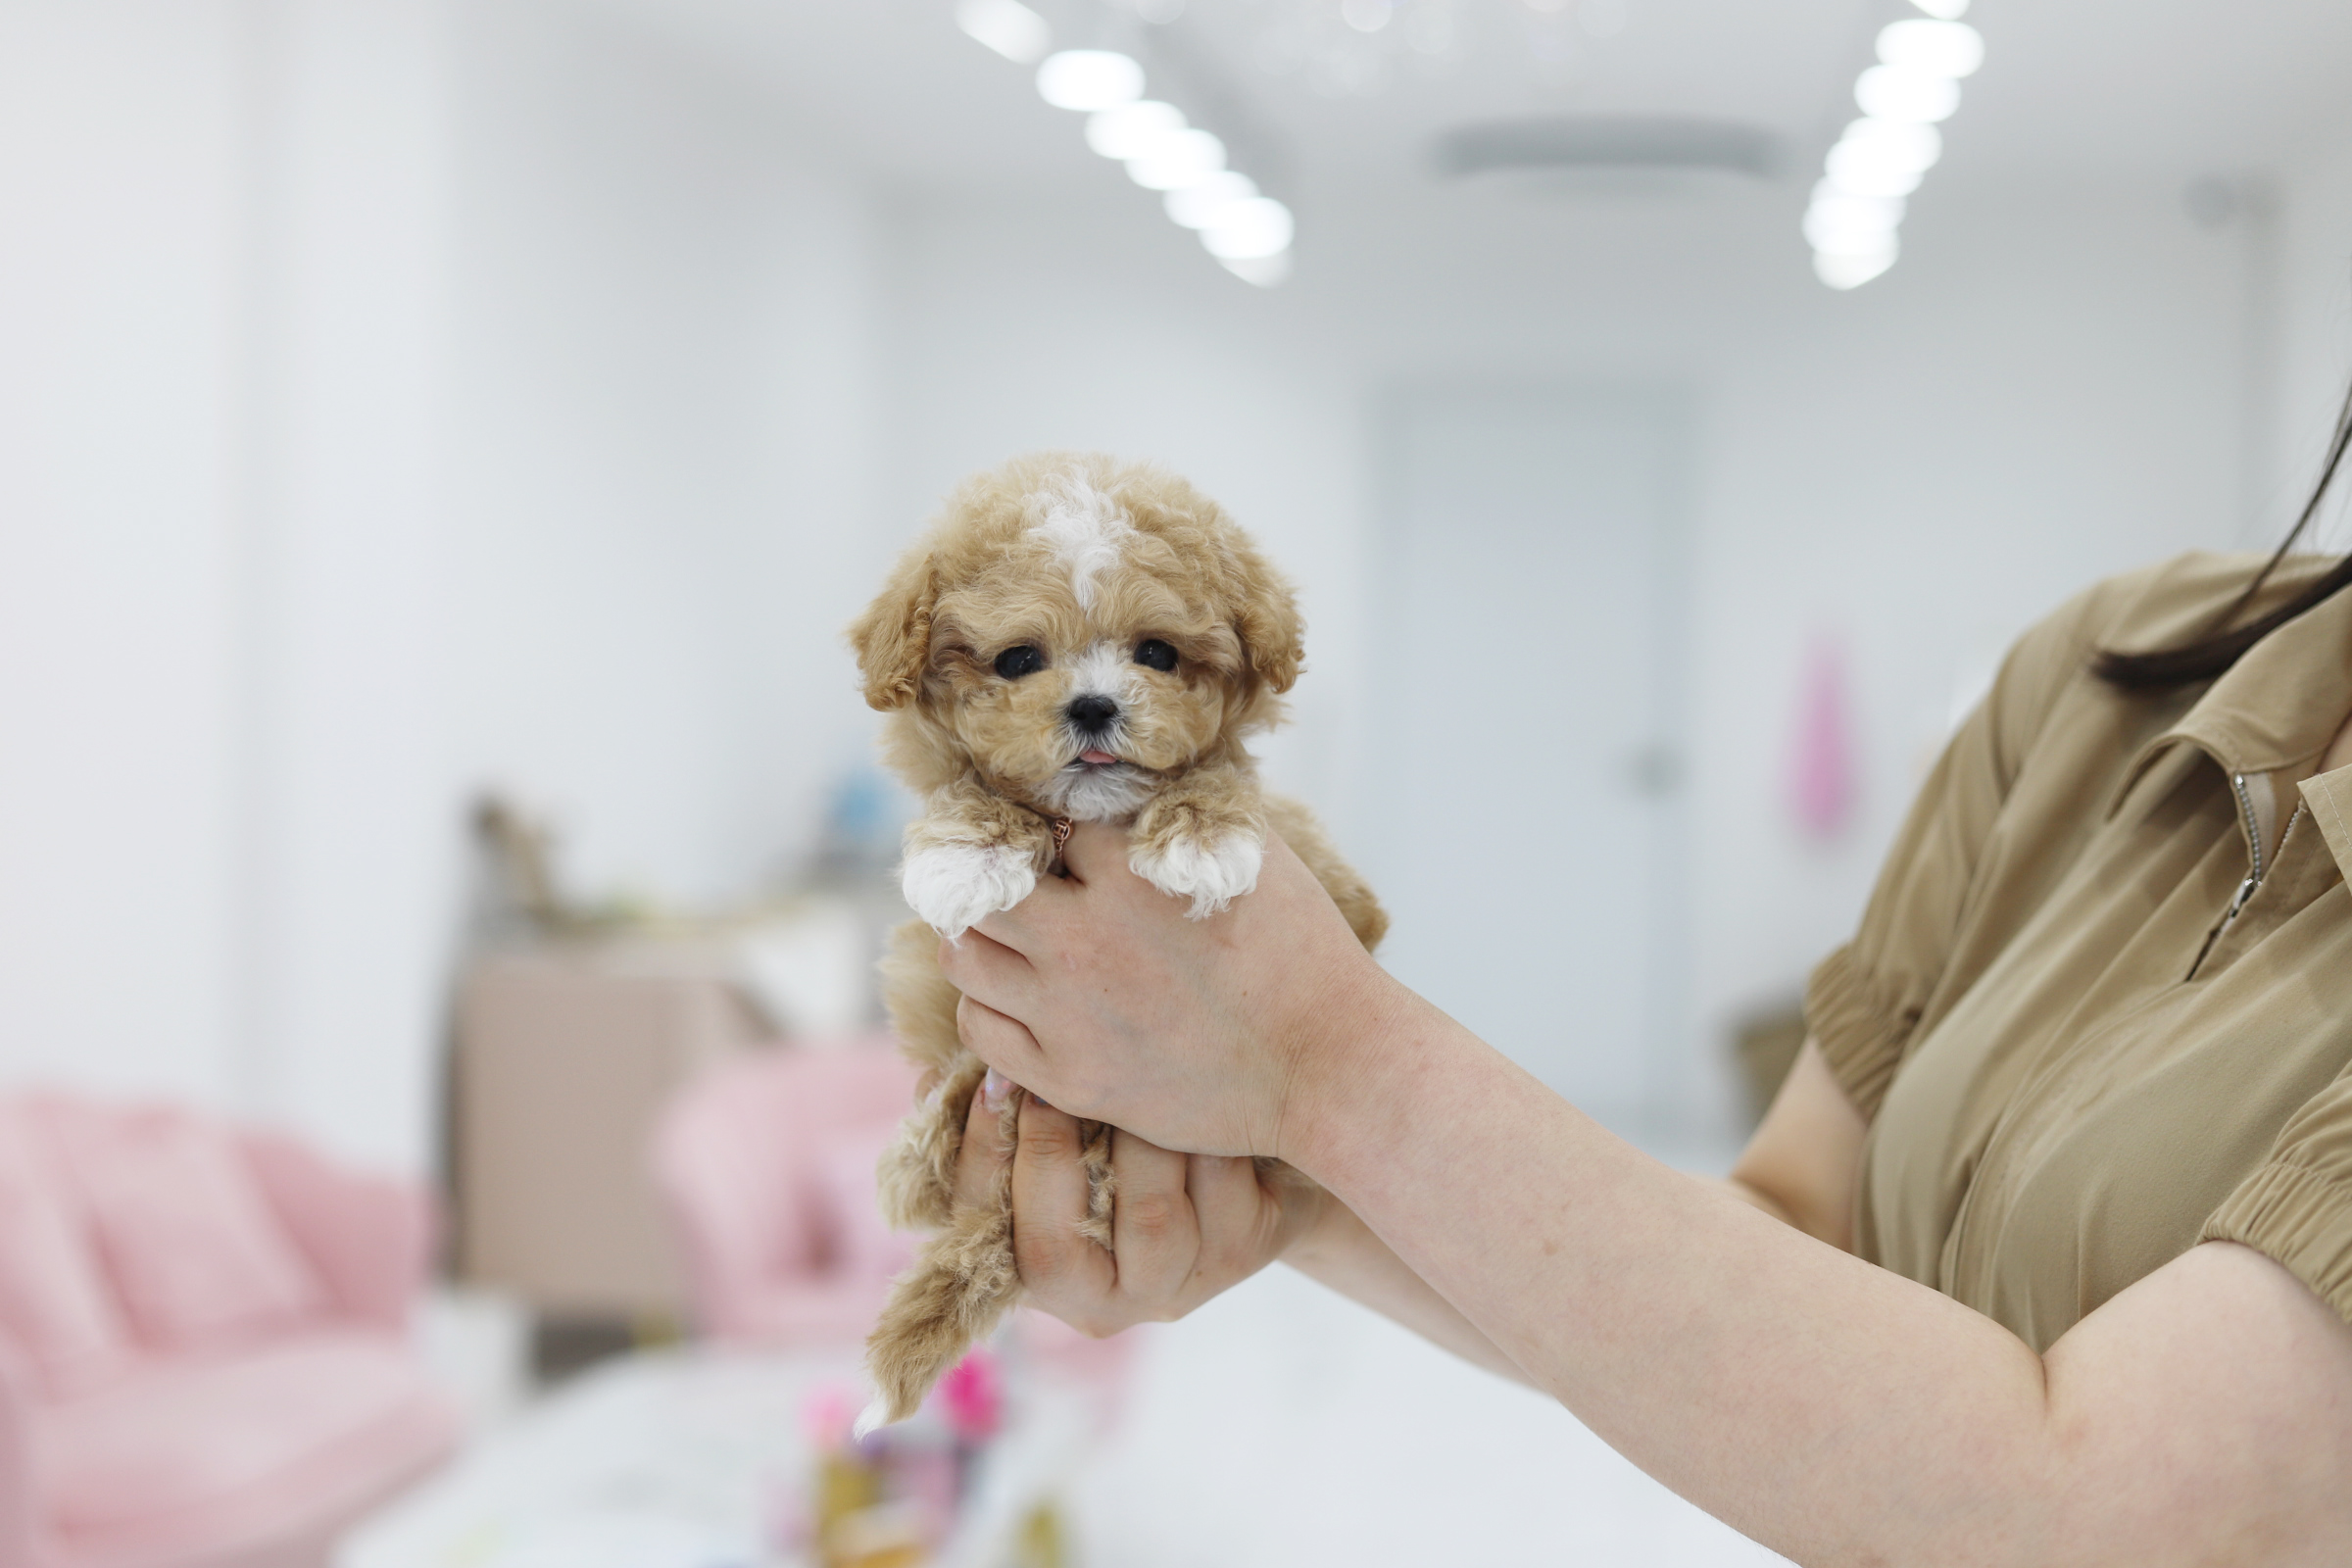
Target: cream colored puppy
point(1075, 640)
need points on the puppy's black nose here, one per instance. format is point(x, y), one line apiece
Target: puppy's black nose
point(1090, 716)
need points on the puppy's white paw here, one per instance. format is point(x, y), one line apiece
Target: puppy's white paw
point(951, 886)
point(1210, 871)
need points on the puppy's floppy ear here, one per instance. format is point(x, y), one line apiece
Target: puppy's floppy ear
point(893, 638)
point(1265, 615)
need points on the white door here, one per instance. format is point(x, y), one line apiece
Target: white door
point(1523, 762)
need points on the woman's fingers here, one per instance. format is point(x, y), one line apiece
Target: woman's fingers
point(1004, 1044)
point(1231, 1206)
point(983, 1152)
point(1154, 1237)
point(1071, 1277)
point(978, 962)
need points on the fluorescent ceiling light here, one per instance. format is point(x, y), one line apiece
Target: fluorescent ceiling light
point(1844, 272)
point(1872, 165)
point(1886, 93)
point(1896, 143)
point(1263, 270)
point(1198, 205)
point(1845, 242)
point(1132, 131)
point(1249, 230)
point(1945, 10)
point(1853, 269)
point(1854, 177)
point(1932, 48)
point(1088, 79)
point(1007, 26)
point(1837, 221)
point(1185, 158)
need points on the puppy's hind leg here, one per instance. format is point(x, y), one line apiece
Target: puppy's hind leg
point(961, 1283)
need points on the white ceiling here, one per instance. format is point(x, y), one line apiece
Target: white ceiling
point(2167, 89)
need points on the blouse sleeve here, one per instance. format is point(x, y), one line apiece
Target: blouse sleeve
point(1864, 1000)
point(2298, 1204)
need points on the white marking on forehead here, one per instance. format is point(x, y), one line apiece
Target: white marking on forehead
point(1086, 529)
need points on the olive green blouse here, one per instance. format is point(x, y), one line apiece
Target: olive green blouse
point(2099, 1008)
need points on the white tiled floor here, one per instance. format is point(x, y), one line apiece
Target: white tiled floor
point(1280, 1425)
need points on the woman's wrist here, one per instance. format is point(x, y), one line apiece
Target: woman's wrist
point(1349, 1064)
point(1311, 1216)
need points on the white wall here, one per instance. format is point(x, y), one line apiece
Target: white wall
point(2045, 390)
point(119, 532)
point(2309, 246)
point(664, 451)
point(395, 400)
point(347, 859)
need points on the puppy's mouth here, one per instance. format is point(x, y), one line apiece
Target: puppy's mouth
point(1098, 785)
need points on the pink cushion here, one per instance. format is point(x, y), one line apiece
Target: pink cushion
point(54, 1308)
point(764, 1213)
point(238, 1445)
point(197, 1257)
point(368, 1238)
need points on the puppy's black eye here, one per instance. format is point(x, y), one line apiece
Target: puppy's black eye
point(1015, 663)
point(1156, 655)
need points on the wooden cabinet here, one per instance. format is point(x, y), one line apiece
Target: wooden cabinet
point(565, 1056)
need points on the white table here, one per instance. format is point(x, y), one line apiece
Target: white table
point(690, 1458)
point(1278, 1427)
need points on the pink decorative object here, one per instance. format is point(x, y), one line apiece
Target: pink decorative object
point(1822, 784)
point(973, 1397)
point(305, 1409)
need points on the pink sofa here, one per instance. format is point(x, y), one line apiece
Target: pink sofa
point(767, 1164)
point(203, 1357)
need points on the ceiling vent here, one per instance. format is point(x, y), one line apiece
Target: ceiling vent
point(1607, 143)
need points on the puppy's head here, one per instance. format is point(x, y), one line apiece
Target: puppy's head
point(1078, 631)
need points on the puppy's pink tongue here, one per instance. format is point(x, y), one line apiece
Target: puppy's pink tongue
point(1097, 759)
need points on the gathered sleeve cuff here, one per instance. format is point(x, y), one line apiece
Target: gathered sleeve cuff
point(1860, 1026)
point(2296, 1208)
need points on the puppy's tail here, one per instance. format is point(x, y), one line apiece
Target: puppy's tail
point(961, 1284)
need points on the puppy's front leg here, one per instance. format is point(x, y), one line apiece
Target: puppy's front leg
point(971, 853)
point(1204, 838)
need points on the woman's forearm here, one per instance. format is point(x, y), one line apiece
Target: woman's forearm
point(1342, 1252)
point(1826, 1406)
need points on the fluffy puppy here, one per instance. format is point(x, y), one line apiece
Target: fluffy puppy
point(1075, 640)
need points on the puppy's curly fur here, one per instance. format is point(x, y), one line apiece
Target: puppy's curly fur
point(1074, 638)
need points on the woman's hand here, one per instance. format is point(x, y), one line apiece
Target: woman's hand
point(1209, 1035)
point(1184, 1227)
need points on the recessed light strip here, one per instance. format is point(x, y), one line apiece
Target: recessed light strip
point(1248, 233)
point(1869, 175)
